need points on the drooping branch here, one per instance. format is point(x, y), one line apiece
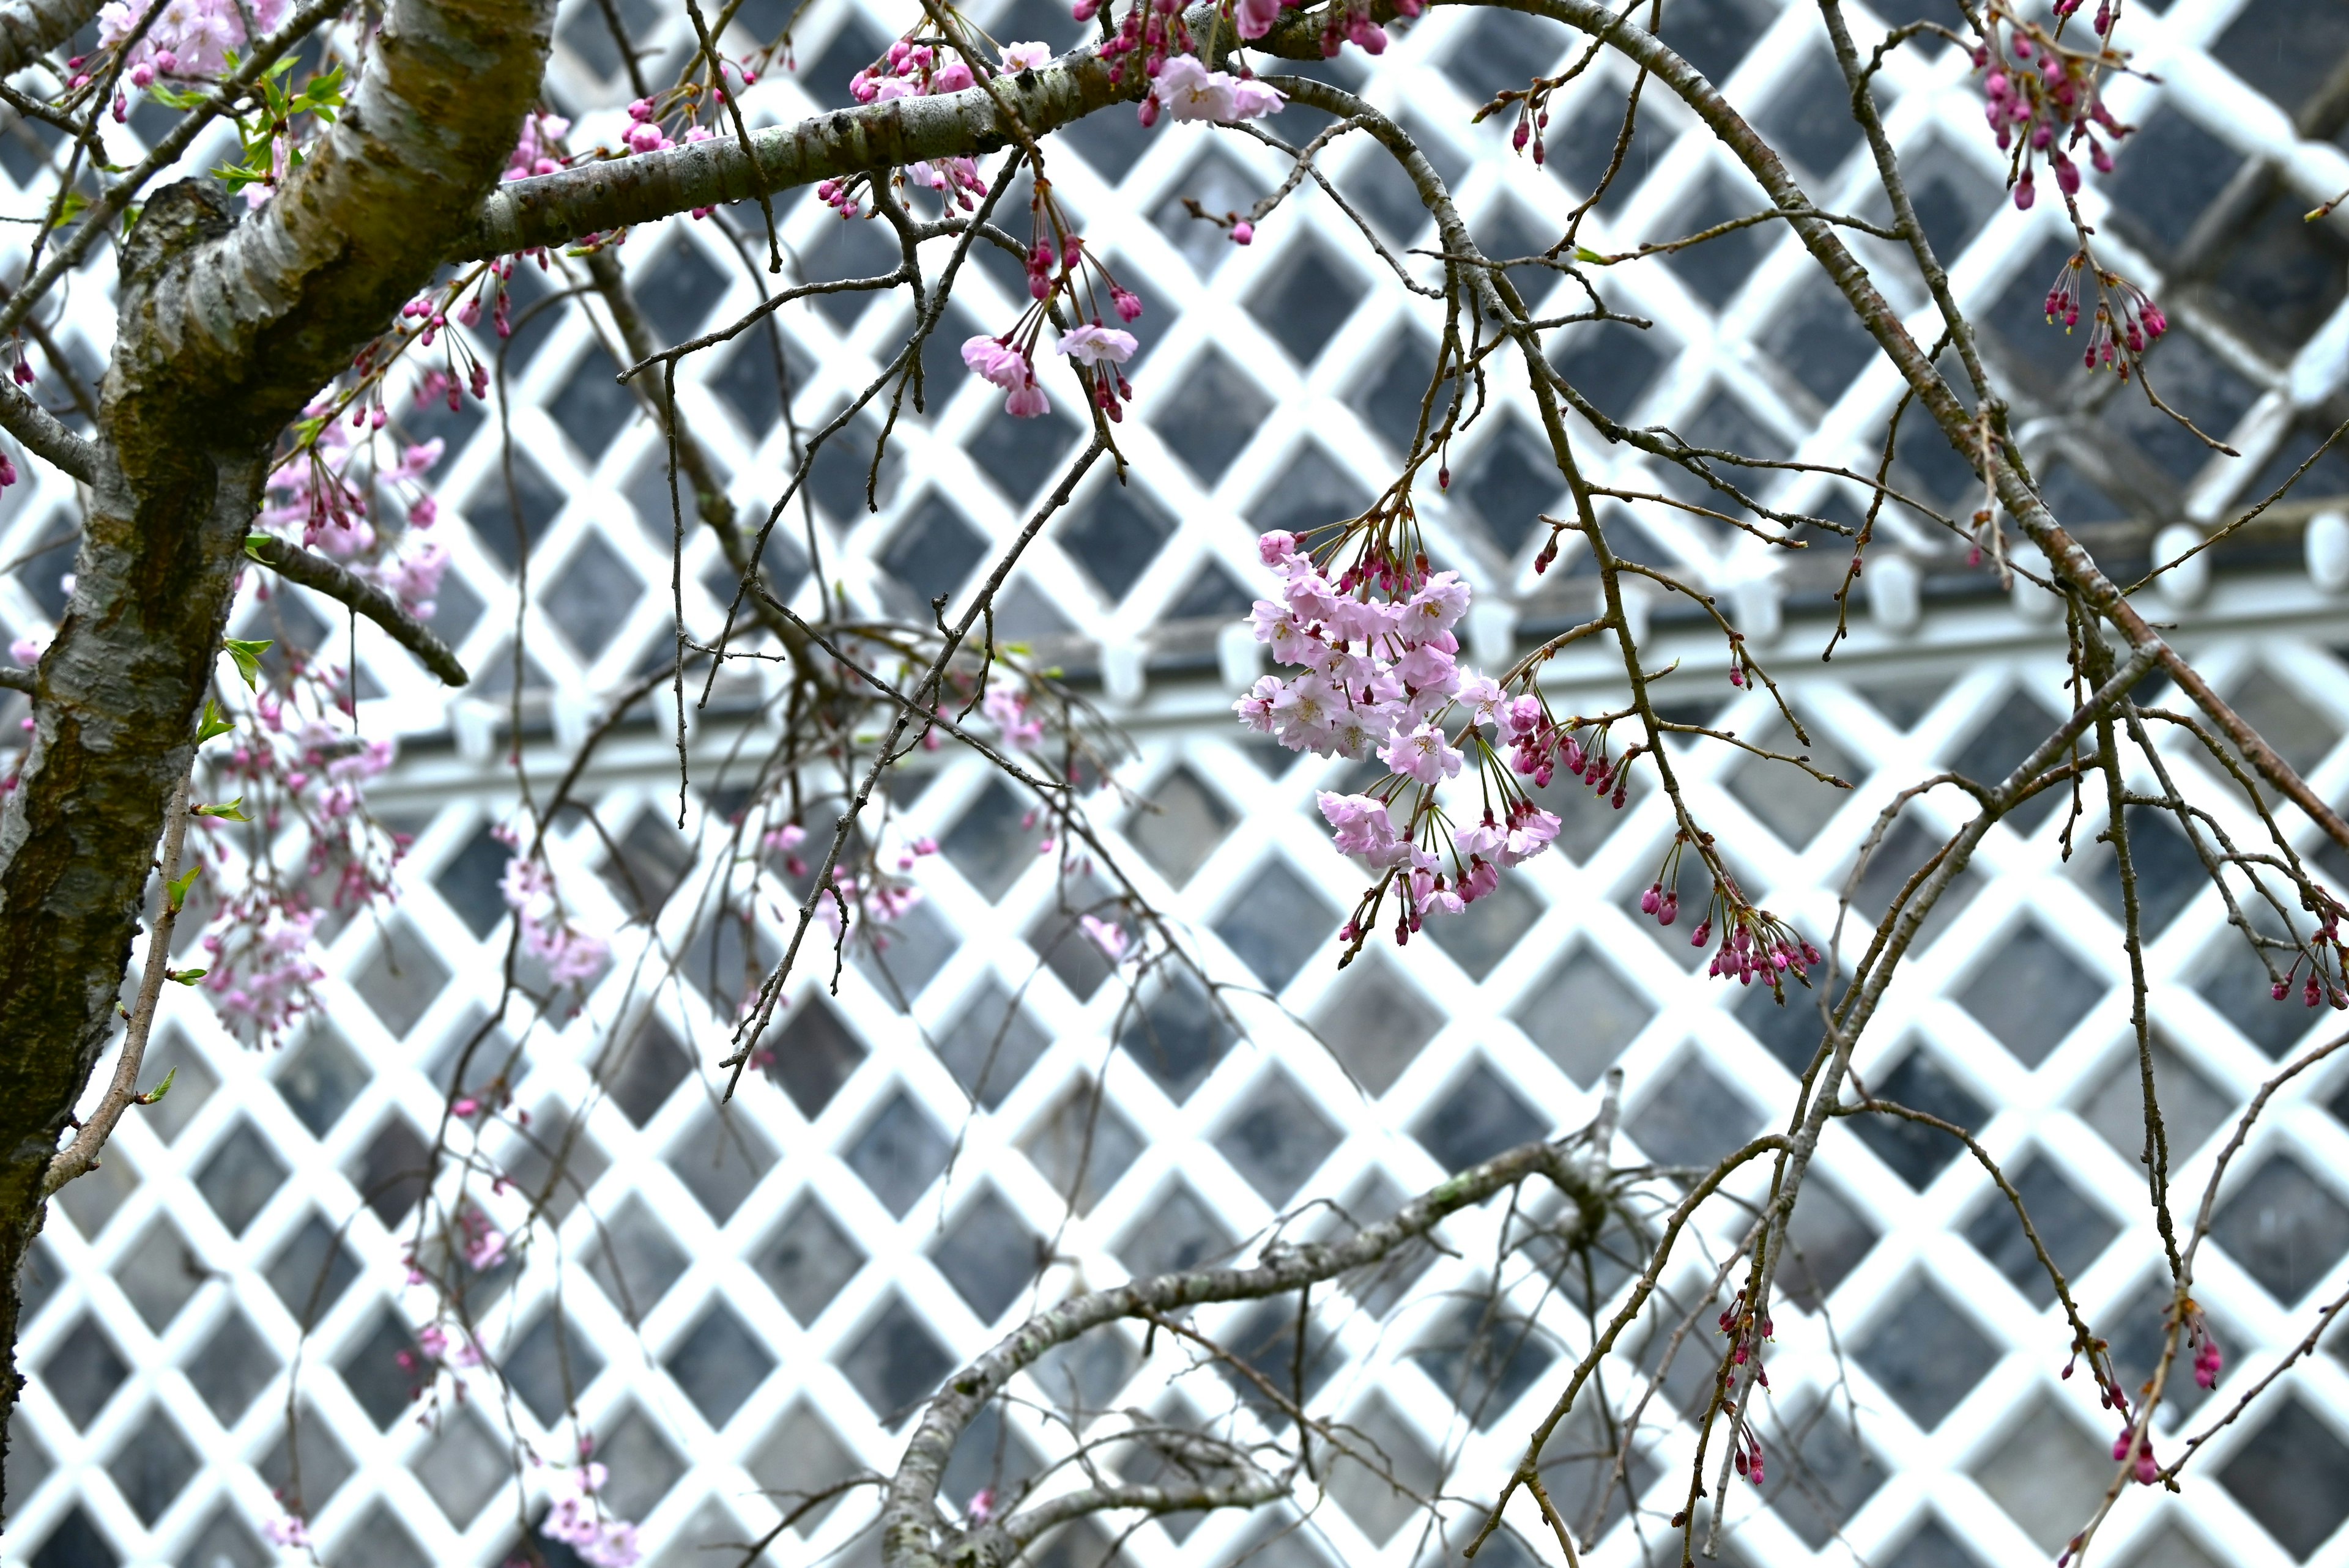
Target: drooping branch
point(313, 571)
point(1575, 1164)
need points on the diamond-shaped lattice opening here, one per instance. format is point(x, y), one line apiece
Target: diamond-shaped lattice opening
point(2284, 49)
point(593, 406)
point(1309, 490)
point(1481, 1116)
point(643, 1463)
point(1178, 1036)
point(2170, 170)
point(2300, 735)
point(239, 1177)
point(77, 1542)
point(1823, 1472)
point(1082, 1146)
point(591, 598)
point(1927, 1354)
point(1306, 302)
point(641, 1074)
point(95, 1197)
point(383, 1369)
point(900, 1152)
point(720, 1158)
point(1220, 186)
point(1265, 1340)
point(651, 860)
point(2284, 1227)
point(1488, 930)
point(392, 1170)
point(1583, 1014)
point(2282, 276)
point(463, 1465)
point(551, 1364)
point(1917, 1152)
point(2073, 1229)
point(1178, 825)
point(471, 883)
point(1715, 35)
point(1115, 535)
point(1610, 364)
point(230, 1368)
point(1484, 1360)
point(1277, 1138)
point(1020, 455)
point(1789, 801)
point(1068, 950)
point(719, 1364)
point(814, 1053)
point(991, 1043)
point(1889, 866)
point(400, 979)
point(1717, 268)
point(1375, 1022)
point(1389, 392)
point(1276, 923)
point(319, 1080)
point(2235, 984)
point(1508, 481)
point(1180, 1231)
point(988, 1254)
point(2192, 1108)
point(2046, 1474)
point(993, 840)
point(2030, 993)
point(226, 1541)
point(153, 1466)
point(1691, 1117)
point(1810, 120)
point(989, 1456)
point(2013, 730)
point(1828, 1238)
point(748, 381)
point(158, 1273)
point(1218, 409)
point(1386, 1474)
point(807, 1259)
point(193, 1083)
point(802, 1457)
point(312, 1271)
point(634, 1259)
point(932, 555)
point(896, 1363)
point(2292, 1476)
point(325, 1466)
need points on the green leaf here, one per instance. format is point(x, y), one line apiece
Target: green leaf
point(179, 887)
point(213, 724)
point(1586, 255)
point(231, 810)
point(161, 1089)
point(254, 543)
point(247, 655)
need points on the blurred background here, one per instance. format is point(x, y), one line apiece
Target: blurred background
point(745, 1301)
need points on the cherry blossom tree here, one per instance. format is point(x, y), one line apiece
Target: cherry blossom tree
point(277, 326)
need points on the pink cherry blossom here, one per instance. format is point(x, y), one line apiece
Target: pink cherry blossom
point(1422, 754)
point(1025, 57)
point(1093, 343)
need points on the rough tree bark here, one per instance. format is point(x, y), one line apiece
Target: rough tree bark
point(226, 329)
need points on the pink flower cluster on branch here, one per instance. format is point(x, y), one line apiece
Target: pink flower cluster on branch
point(1381, 675)
point(188, 40)
point(578, 1521)
point(1060, 268)
point(572, 956)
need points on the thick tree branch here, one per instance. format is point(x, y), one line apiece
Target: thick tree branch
point(31, 29)
point(311, 570)
point(595, 198)
point(45, 436)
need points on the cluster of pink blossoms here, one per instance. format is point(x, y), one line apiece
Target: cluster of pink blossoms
point(570, 955)
point(1056, 272)
point(330, 491)
point(188, 41)
point(2041, 100)
point(577, 1519)
point(1381, 675)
